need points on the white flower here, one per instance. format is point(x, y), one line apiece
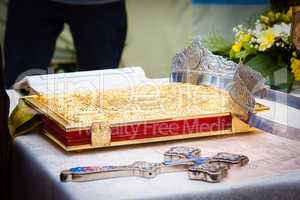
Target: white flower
point(282, 29)
point(253, 40)
point(295, 54)
point(266, 39)
point(257, 29)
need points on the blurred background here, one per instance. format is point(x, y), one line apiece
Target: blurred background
point(157, 29)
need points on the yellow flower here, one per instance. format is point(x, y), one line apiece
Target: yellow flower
point(237, 47)
point(265, 19)
point(246, 37)
point(295, 65)
point(266, 39)
point(271, 15)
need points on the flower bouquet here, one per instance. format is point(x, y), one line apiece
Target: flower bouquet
point(266, 46)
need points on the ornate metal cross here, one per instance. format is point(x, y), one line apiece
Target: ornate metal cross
point(176, 159)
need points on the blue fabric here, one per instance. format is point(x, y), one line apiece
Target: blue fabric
point(283, 98)
point(232, 2)
point(274, 127)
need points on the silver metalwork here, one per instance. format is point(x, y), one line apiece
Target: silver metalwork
point(177, 159)
point(208, 172)
point(230, 159)
point(197, 65)
point(182, 152)
point(79, 174)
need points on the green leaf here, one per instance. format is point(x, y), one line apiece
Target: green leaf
point(250, 50)
point(264, 64)
point(217, 44)
point(267, 65)
point(241, 55)
point(231, 55)
point(287, 86)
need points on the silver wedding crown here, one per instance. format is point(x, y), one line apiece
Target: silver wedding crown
point(197, 65)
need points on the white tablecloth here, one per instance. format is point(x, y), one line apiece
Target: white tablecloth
point(273, 171)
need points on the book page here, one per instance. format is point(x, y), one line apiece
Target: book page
point(83, 81)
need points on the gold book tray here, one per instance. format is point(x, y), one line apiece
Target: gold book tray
point(143, 114)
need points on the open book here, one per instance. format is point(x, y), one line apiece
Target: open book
point(83, 81)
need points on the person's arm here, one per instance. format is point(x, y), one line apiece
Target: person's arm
point(4, 103)
point(5, 140)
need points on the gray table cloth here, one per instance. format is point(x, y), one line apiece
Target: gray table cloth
point(272, 173)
